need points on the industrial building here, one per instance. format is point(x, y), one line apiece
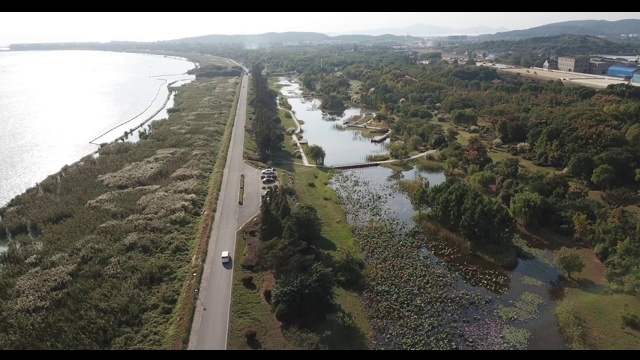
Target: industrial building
point(600, 67)
point(626, 72)
point(579, 64)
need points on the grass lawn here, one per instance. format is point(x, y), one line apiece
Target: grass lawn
point(599, 311)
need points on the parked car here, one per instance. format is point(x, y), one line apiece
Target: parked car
point(268, 180)
point(268, 171)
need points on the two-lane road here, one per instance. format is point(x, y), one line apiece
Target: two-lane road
point(211, 319)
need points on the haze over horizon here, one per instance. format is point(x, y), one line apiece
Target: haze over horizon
point(53, 27)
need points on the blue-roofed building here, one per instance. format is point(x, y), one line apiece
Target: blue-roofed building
point(622, 71)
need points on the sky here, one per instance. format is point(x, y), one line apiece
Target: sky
point(42, 27)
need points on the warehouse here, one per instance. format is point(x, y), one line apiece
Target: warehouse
point(622, 71)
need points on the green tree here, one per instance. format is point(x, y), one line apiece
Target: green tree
point(633, 136)
point(452, 164)
point(482, 179)
point(603, 176)
point(581, 166)
point(303, 295)
point(307, 223)
point(398, 150)
point(528, 207)
point(316, 152)
point(451, 134)
point(569, 260)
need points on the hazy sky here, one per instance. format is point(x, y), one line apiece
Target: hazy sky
point(34, 27)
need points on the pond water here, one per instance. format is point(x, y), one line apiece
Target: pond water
point(341, 146)
point(521, 297)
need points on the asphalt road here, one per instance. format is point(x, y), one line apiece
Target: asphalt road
point(210, 326)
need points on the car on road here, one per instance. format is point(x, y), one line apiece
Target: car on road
point(226, 257)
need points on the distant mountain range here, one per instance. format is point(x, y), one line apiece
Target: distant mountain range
point(620, 30)
point(424, 30)
point(612, 30)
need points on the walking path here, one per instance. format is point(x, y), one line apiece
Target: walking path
point(294, 137)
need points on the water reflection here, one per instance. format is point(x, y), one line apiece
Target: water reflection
point(341, 147)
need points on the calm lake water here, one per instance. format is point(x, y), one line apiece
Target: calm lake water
point(341, 147)
point(57, 105)
point(534, 278)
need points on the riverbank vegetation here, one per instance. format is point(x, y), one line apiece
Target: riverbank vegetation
point(102, 253)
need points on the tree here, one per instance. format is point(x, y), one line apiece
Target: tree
point(451, 134)
point(569, 260)
point(307, 223)
point(528, 207)
point(482, 179)
point(316, 152)
point(603, 176)
point(303, 295)
point(581, 166)
point(452, 165)
point(398, 150)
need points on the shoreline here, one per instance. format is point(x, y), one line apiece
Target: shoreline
point(149, 118)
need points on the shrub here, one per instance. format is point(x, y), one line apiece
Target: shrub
point(250, 334)
point(246, 279)
point(629, 319)
point(267, 295)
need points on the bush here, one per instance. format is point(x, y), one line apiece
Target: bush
point(629, 319)
point(267, 295)
point(246, 279)
point(250, 334)
point(571, 327)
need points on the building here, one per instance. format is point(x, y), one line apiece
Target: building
point(636, 77)
point(579, 64)
point(599, 67)
point(625, 72)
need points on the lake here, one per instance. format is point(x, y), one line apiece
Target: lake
point(58, 106)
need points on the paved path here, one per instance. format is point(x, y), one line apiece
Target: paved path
point(294, 137)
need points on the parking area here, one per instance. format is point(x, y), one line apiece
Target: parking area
point(268, 177)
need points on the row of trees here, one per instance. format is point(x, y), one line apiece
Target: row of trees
point(304, 284)
point(266, 125)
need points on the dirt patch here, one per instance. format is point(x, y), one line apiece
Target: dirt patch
point(269, 281)
point(542, 238)
point(250, 234)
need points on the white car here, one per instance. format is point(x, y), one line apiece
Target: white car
point(268, 171)
point(226, 257)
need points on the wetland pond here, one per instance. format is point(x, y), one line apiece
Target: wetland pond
point(519, 312)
